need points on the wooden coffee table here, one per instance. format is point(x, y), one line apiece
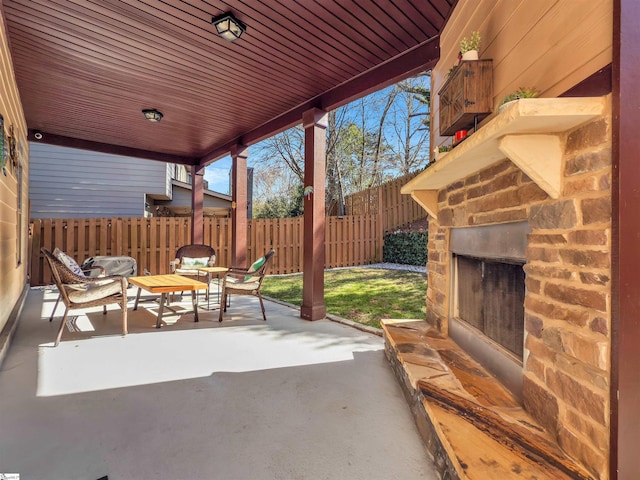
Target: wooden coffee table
point(164, 284)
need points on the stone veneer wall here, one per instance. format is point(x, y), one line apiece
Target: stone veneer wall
point(568, 276)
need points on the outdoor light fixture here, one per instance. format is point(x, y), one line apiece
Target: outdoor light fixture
point(152, 115)
point(228, 26)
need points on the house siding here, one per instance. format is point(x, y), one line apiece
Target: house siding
point(72, 183)
point(13, 260)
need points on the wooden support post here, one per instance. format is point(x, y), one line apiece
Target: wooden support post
point(239, 155)
point(197, 201)
point(315, 131)
point(624, 460)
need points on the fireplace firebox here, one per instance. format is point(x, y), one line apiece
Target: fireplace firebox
point(490, 297)
point(488, 291)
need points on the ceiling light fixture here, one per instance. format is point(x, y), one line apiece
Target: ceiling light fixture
point(152, 115)
point(228, 26)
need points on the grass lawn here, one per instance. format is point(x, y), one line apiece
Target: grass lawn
point(364, 295)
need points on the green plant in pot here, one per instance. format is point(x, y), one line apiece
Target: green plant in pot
point(522, 92)
point(469, 47)
point(440, 150)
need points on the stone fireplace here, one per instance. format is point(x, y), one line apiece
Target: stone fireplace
point(519, 266)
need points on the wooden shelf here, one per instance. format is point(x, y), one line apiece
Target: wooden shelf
point(528, 131)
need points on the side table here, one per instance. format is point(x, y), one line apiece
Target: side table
point(209, 272)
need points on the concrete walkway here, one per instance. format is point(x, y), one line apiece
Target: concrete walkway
point(243, 400)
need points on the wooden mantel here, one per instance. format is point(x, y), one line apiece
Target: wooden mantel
point(531, 132)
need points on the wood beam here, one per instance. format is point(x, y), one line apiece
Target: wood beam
point(314, 122)
point(239, 155)
point(197, 202)
point(71, 142)
point(420, 58)
point(596, 85)
point(625, 302)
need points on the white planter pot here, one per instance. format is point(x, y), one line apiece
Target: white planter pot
point(470, 55)
point(504, 106)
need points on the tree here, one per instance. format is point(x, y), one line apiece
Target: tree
point(411, 124)
point(281, 206)
point(285, 148)
point(277, 192)
point(368, 141)
point(335, 189)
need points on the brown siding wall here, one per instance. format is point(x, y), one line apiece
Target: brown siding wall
point(568, 284)
point(530, 44)
point(12, 274)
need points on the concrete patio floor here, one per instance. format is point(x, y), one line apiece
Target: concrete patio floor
point(245, 399)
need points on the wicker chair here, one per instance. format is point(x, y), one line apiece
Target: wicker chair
point(86, 271)
point(245, 281)
point(204, 253)
point(82, 292)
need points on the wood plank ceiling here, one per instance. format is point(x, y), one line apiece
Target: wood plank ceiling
point(86, 68)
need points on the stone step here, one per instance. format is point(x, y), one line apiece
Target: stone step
point(473, 426)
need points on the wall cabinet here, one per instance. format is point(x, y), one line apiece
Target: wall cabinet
point(466, 96)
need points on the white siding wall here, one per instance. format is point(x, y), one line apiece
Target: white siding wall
point(72, 183)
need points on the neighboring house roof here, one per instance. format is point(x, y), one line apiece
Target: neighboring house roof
point(214, 203)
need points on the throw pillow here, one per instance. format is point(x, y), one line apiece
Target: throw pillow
point(69, 262)
point(255, 266)
point(194, 262)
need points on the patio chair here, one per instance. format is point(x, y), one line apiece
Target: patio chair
point(78, 291)
point(190, 257)
point(245, 281)
point(83, 271)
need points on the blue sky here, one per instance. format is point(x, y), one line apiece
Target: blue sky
point(217, 174)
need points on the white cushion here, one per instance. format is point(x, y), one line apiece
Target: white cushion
point(194, 262)
point(246, 286)
point(187, 271)
point(95, 292)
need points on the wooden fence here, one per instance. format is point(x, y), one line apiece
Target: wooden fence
point(350, 240)
point(394, 208)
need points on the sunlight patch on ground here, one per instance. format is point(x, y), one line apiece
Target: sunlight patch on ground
point(114, 361)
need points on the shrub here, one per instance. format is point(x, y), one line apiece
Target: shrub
point(405, 247)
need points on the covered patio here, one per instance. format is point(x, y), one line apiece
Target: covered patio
point(242, 399)
point(81, 74)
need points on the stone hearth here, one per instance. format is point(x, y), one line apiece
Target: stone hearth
point(473, 426)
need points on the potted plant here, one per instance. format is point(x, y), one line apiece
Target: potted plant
point(440, 151)
point(522, 92)
point(469, 47)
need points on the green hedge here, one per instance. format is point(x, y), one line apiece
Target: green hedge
point(405, 247)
